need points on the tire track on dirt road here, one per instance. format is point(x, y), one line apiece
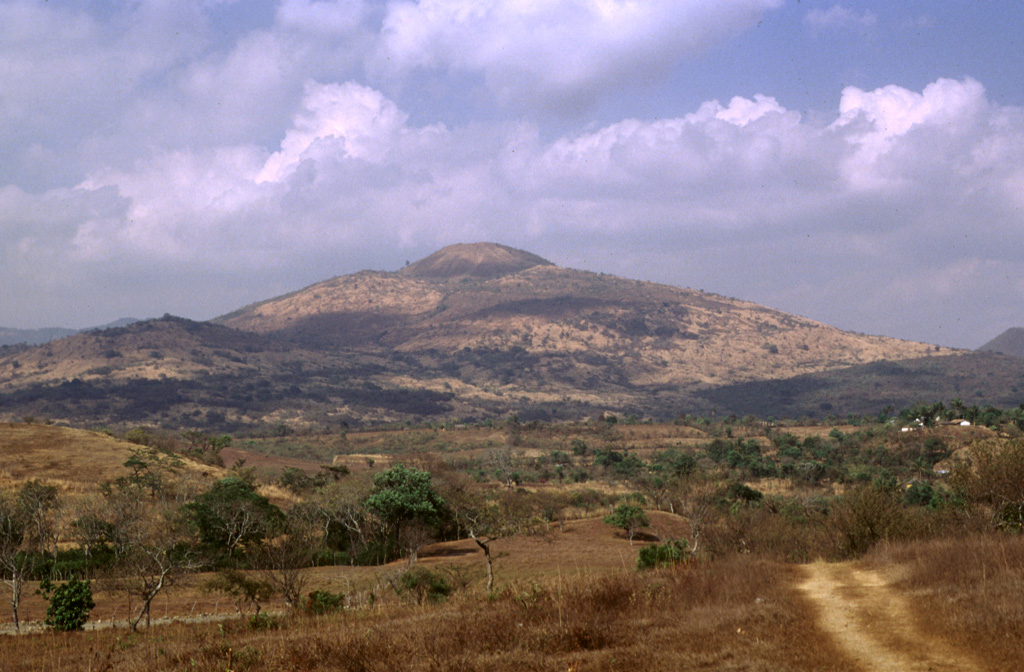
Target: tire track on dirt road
point(873, 623)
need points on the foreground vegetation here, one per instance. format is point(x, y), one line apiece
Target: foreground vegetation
point(509, 545)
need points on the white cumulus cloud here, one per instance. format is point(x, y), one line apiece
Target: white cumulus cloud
point(540, 53)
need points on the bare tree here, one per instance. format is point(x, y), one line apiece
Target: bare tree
point(156, 551)
point(502, 461)
point(337, 510)
point(41, 505)
point(14, 561)
point(693, 499)
point(413, 536)
point(286, 558)
point(488, 521)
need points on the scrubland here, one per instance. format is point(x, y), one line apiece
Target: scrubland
point(934, 510)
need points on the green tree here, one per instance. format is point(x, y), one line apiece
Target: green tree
point(69, 604)
point(204, 447)
point(150, 469)
point(403, 495)
point(232, 515)
point(628, 518)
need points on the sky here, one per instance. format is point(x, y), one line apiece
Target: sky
point(857, 163)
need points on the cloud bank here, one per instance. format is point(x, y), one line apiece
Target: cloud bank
point(192, 175)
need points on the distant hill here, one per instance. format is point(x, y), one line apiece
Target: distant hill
point(483, 330)
point(1010, 342)
point(10, 336)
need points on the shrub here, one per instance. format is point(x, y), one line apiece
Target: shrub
point(263, 621)
point(70, 604)
point(423, 585)
point(672, 552)
point(322, 602)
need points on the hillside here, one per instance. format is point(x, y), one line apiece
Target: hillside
point(475, 331)
point(75, 460)
point(455, 301)
point(1010, 342)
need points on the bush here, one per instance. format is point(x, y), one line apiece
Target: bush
point(423, 585)
point(672, 552)
point(322, 602)
point(263, 621)
point(70, 604)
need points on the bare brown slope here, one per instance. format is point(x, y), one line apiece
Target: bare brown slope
point(660, 335)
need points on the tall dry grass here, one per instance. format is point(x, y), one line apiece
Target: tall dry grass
point(969, 590)
point(739, 613)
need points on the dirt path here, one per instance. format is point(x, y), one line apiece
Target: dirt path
point(873, 623)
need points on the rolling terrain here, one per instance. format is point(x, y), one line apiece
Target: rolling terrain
point(483, 330)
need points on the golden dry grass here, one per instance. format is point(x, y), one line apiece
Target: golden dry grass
point(739, 614)
point(74, 459)
point(968, 591)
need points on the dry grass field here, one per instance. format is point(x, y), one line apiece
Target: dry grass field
point(75, 460)
point(955, 607)
point(567, 597)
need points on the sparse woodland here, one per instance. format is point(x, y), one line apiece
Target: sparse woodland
point(608, 544)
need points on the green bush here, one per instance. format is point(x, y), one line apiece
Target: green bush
point(70, 604)
point(423, 585)
point(672, 552)
point(322, 602)
point(263, 621)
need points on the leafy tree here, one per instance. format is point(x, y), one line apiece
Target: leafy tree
point(423, 585)
point(150, 470)
point(402, 495)
point(322, 602)
point(296, 480)
point(69, 604)
point(204, 447)
point(628, 518)
point(232, 515)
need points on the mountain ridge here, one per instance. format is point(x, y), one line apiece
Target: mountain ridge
point(12, 336)
point(482, 330)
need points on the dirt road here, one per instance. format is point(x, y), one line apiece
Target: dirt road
point(873, 623)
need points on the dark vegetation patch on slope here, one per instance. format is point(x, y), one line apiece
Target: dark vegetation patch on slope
point(977, 378)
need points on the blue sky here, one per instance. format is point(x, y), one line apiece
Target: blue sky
point(858, 163)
